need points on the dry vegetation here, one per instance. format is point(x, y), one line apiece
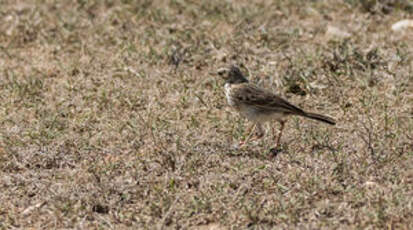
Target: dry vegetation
point(112, 115)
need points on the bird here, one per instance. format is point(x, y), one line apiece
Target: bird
point(260, 105)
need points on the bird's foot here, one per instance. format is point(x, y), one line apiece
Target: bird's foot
point(275, 151)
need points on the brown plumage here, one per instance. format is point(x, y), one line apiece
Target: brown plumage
point(263, 101)
point(259, 105)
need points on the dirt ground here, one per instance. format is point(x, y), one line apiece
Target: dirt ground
point(113, 117)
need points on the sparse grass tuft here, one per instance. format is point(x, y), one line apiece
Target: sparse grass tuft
point(112, 116)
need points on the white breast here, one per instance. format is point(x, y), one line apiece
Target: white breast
point(228, 93)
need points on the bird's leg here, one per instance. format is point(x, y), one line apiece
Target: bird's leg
point(273, 131)
point(250, 132)
point(280, 134)
point(259, 134)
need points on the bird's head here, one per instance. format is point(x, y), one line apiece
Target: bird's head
point(232, 75)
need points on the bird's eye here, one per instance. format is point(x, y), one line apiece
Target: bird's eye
point(223, 71)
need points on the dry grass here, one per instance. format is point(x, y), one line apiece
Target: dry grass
point(112, 116)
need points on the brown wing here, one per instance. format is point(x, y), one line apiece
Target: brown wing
point(263, 100)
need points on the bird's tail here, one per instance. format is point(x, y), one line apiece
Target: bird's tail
point(320, 117)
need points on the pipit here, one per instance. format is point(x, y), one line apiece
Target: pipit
point(259, 105)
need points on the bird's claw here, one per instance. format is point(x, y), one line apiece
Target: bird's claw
point(275, 151)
